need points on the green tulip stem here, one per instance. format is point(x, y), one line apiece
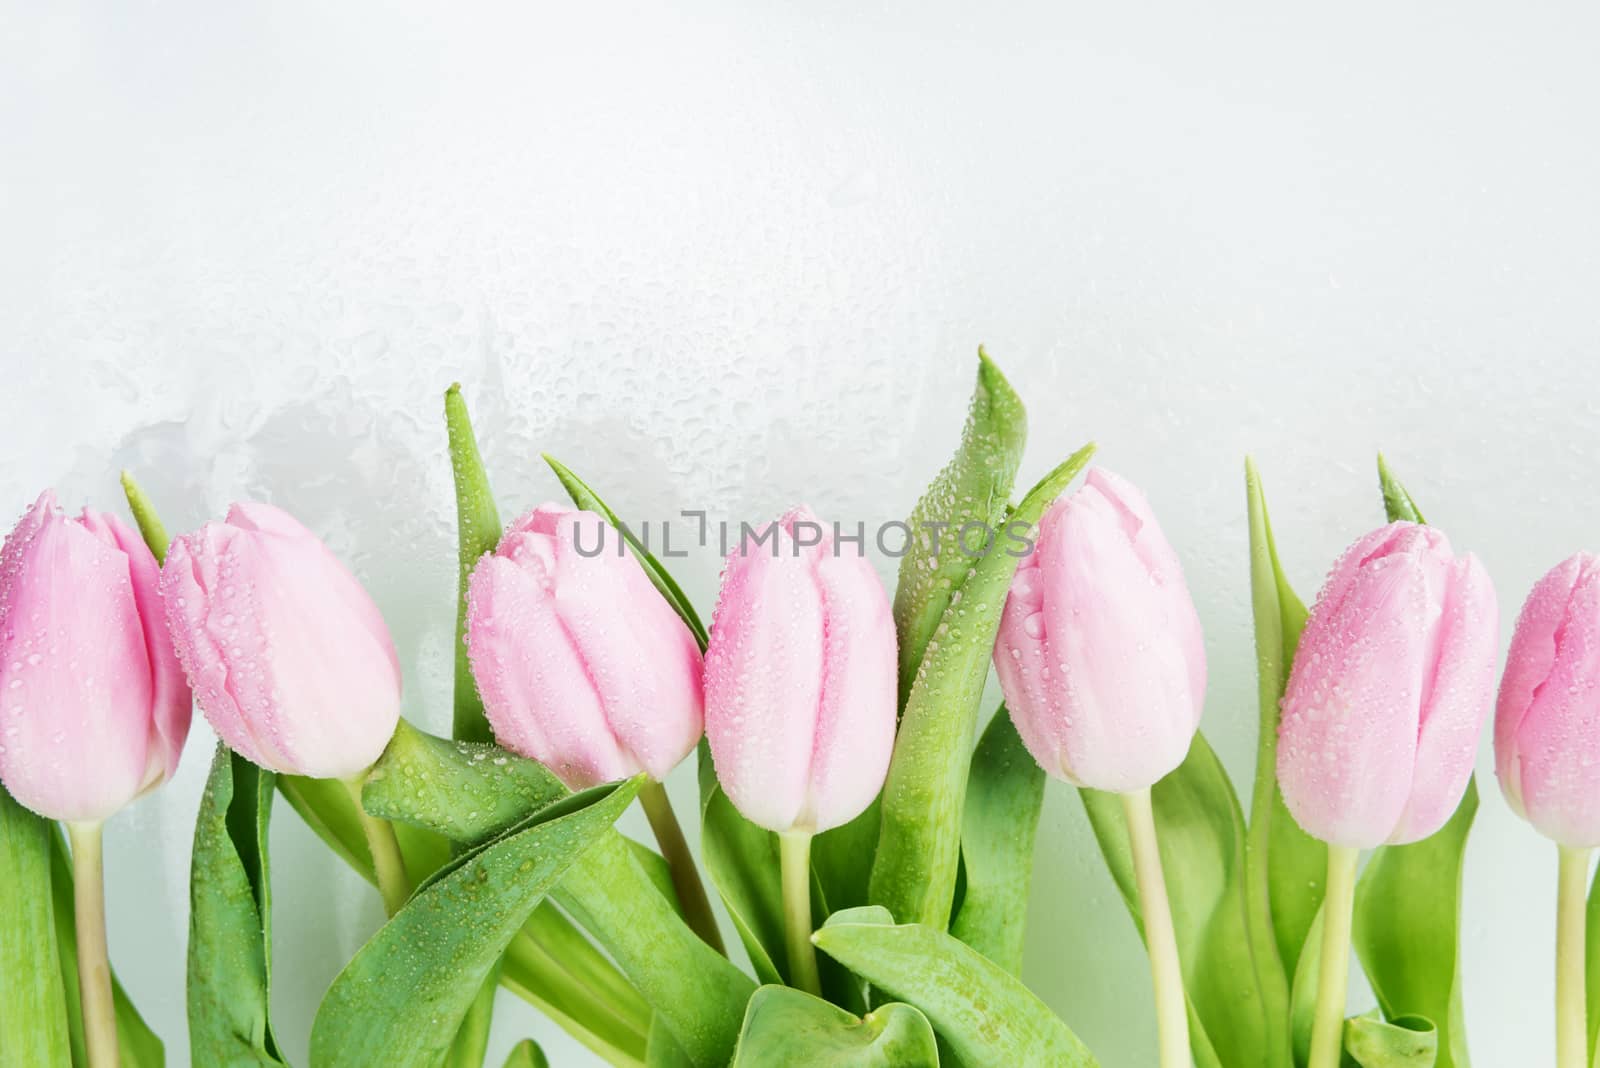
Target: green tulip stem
point(94, 969)
point(680, 863)
point(794, 858)
point(1161, 943)
point(1333, 975)
point(1572, 1032)
point(387, 862)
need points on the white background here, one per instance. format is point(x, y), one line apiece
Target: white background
point(731, 256)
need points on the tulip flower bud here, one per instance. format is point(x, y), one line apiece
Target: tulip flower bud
point(1390, 686)
point(801, 679)
point(289, 659)
point(1099, 651)
point(1547, 724)
point(93, 707)
point(581, 663)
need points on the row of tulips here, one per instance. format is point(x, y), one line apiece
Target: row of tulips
point(820, 703)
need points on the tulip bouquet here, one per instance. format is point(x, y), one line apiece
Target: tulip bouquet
point(870, 846)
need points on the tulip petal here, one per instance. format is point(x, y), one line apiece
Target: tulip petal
point(170, 702)
point(763, 679)
point(1546, 757)
point(536, 690)
point(1113, 656)
point(1457, 688)
point(1529, 662)
point(852, 743)
point(643, 661)
point(288, 656)
point(1348, 738)
point(75, 682)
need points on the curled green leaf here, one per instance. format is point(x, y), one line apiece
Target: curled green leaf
point(1404, 1042)
point(784, 1027)
point(985, 1015)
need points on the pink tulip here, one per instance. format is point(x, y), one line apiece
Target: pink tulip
point(1547, 725)
point(1100, 652)
point(581, 664)
point(288, 656)
point(93, 706)
point(801, 684)
point(1390, 686)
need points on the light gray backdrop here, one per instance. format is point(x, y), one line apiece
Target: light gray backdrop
point(732, 256)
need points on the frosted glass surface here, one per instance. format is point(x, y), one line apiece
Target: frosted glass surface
point(732, 256)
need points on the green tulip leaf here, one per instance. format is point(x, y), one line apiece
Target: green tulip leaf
point(841, 858)
point(33, 1017)
point(560, 989)
point(526, 1054)
point(1397, 502)
point(695, 991)
point(1407, 924)
point(984, 1014)
point(325, 806)
point(474, 792)
point(1303, 994)
point(1200, 830)
point(1404, 1042)
point(151, 529)
point(477, 533)
point(663, 1050)
point(230, 918)
point(973, 488)
point(742, 861)
point(1285, 867)
point(1407, 929)
point(914, 871)
point(1004, 792)
point(466, 791)
point(400, 1001)
point(468, 1048)
point(784, 1026)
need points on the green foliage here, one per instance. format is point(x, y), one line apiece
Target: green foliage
point(1200, 833)
point(1005, 790)
point(1403, 1042)
point(230, 918)
point(1285, 868)
point(919, 841)
point(475, 792)
point(985, 1015)
point(785, 1027)
point(400, 1001)
point(33, 1017)
point(477, 532)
